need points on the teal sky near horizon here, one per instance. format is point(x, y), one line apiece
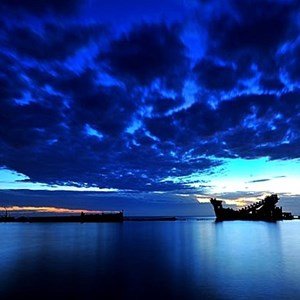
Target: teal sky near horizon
point(237, 182)
point(258, 175)
point(153, 106)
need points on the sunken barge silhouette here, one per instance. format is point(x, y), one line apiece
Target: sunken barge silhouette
point(82, 218)
point(264, 210)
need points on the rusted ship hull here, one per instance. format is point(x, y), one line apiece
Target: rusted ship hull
point(264, 210)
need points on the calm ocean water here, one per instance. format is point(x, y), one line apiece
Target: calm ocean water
point(151, 260)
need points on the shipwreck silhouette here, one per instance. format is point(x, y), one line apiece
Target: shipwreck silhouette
point(264, 210)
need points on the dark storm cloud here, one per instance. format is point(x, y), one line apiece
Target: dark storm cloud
point(247, 38)
point(87, 162)
point(39, 8)
point(41, 137)
point(11, 82)
point(249, 27)
point(146, 53)
point(272, 128)
point(163, 104)
point(25, 125)
point(289, 59)
point(271, 83)
point(246, 127)
point(214, 76)
point(54, 42)
point(84, 105)
point(107, 109)
point(202, 121)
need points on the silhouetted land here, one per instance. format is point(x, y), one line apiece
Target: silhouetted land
point(82, 218)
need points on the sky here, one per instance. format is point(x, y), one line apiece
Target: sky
point(149, 106)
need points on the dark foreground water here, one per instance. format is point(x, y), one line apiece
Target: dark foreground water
point(151, 260)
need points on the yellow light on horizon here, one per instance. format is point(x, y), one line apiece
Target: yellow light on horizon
point(47, 209)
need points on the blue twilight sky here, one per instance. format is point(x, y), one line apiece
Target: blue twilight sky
point(149, 106)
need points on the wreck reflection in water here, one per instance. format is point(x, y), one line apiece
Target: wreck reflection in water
point(189, 259)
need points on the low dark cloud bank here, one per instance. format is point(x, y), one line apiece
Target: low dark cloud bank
point(40, 8)
point(85, 104)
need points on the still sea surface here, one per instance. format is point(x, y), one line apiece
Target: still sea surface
point(187, 259)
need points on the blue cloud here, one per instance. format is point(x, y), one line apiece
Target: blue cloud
point(86, 103)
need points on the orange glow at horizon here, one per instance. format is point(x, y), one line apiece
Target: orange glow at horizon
point(47, 209)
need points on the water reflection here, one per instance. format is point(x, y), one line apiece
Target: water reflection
point(249, 258)
point(150, 260)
